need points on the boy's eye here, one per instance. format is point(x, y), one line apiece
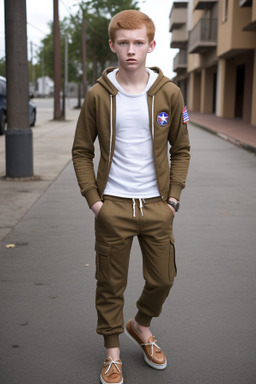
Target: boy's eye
point(122, 42)
point(139, 43)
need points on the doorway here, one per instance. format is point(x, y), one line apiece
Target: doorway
point(239, 102)
point(214, 92)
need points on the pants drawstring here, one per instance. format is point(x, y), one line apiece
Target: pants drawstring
point(133, 207)
point(140, 206)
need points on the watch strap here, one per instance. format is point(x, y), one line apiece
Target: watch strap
point(176, 206)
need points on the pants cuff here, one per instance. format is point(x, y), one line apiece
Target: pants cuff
point(111, 341)
point(143, 319)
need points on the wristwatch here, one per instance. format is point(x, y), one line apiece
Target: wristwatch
point(176, 206)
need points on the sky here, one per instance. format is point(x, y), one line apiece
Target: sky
point(39, 13)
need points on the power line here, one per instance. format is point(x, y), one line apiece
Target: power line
point(31, 25)
point(66, 7)
point(72, 5)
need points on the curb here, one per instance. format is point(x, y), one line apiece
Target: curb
point(247, 147)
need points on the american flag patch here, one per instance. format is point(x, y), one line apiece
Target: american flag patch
point(185, 115)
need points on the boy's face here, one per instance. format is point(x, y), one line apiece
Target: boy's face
point(132, 47)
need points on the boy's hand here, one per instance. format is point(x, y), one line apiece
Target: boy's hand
point(96, 207)
point(175, 201)
point(172, 209)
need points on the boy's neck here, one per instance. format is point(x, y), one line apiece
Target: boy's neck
point(133, 82)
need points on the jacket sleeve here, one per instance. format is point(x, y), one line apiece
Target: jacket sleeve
point(83, 151)
point(180, 148)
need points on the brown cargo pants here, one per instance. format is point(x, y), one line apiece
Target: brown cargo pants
point(118, 221)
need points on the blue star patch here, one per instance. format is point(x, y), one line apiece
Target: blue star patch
point(162, 119)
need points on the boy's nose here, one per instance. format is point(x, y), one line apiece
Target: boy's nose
point(131, 48)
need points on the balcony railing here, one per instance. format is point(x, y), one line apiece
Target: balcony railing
point(203, 36)
point(204, 4)
point(178, 17)
point(180, 61)
point(179, 37)
point(245, 3)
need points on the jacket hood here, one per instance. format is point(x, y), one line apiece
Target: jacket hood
point(158, 84)
point(106, 83)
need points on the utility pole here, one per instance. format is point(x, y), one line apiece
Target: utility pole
point(19, 137)
point(57, 61)
point(43, 77)
point(66, 65)
point(84, 68)
point(32, 69)
point(65, 88)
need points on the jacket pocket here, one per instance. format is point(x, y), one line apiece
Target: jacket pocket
point(102, 262)
point(172, 261)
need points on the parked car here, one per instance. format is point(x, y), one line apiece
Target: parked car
point(3, 107)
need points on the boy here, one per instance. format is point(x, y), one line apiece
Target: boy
point(134, 111)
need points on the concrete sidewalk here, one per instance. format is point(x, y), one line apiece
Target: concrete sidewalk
point(52, 142)
point(234, 130)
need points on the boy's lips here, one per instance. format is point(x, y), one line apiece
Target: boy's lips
point(131, 60)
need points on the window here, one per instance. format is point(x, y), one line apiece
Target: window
point(225, 11)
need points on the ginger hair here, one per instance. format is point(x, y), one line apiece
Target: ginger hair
point(131, 19)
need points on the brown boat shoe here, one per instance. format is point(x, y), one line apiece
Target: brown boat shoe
point(111, 372)
point(153, 354)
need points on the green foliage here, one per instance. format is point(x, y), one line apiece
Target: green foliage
point(46, 54)
point(2, 67)
point(97, 15)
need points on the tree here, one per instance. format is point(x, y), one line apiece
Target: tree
point(47, 51)
point(97, 14)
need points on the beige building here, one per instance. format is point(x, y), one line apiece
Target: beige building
point(216, 62)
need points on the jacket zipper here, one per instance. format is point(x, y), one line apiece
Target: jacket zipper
point(111, 129)
point(152, 122)
point(153, 136)
point(110, 138)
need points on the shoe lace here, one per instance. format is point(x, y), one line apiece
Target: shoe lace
point(152, 344)
point(110, 363)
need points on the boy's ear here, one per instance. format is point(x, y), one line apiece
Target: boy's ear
point(151, 46)
point(111, 45)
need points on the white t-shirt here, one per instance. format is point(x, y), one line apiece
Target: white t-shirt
point(132, 173)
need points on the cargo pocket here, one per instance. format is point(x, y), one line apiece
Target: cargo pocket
point(102, 262)
point(172, 261)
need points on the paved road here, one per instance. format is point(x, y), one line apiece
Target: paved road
point(207, 327)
